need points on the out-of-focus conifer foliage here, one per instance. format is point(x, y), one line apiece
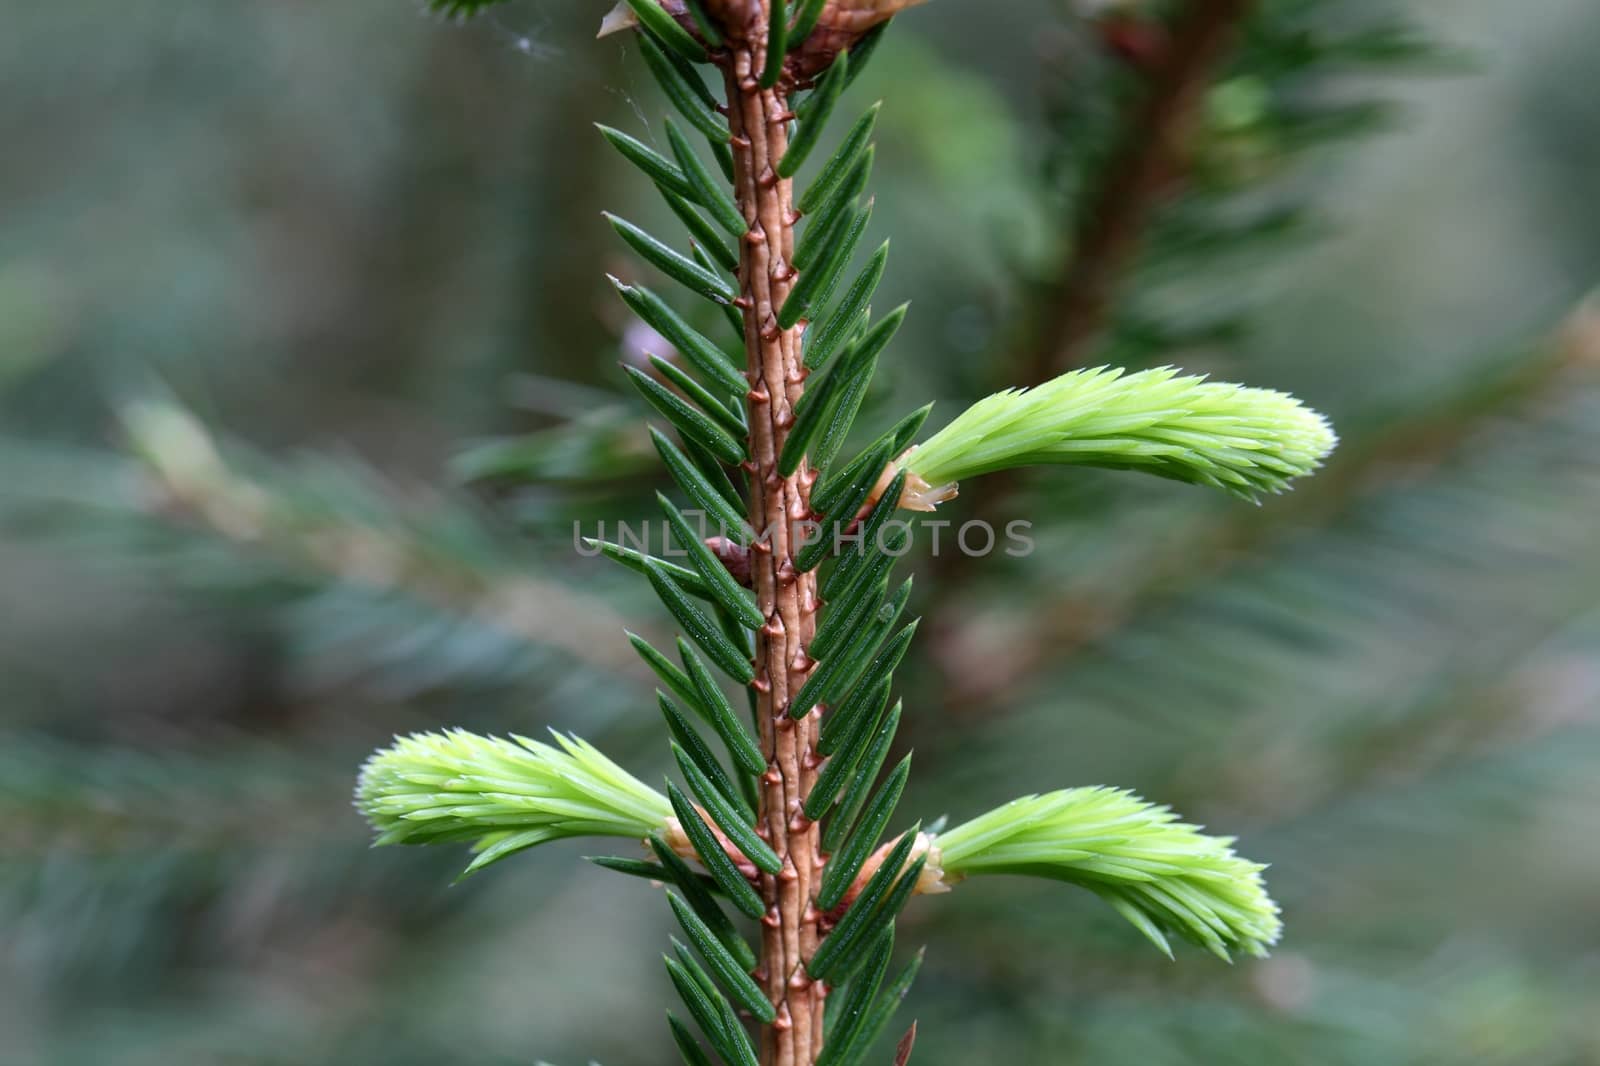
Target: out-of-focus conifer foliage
point(265, 264)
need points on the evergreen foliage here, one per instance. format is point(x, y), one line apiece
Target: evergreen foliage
point(1158, 874)
point(1381, 682)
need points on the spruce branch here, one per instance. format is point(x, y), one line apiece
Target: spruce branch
point(789, 833)
point(1146, 170)
point(1157, 872)
point(502, 795)
point(347, 525)
point(1241, 440)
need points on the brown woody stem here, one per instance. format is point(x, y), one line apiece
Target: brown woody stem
point(788, 599)
point(1148, 168)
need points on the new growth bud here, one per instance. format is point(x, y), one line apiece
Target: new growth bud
point(1157, 872)
point(841, 25)
point(502, 795)
point(1244, 441)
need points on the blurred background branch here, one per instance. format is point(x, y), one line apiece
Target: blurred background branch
point(348, 241)
point(1176, 66)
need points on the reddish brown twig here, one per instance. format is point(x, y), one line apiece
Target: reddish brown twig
point(788, 599)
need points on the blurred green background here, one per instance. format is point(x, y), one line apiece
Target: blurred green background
point(267, 267)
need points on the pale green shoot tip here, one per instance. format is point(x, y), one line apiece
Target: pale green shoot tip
point(1160, 874)
point(501, 795)
point(1245, 441)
